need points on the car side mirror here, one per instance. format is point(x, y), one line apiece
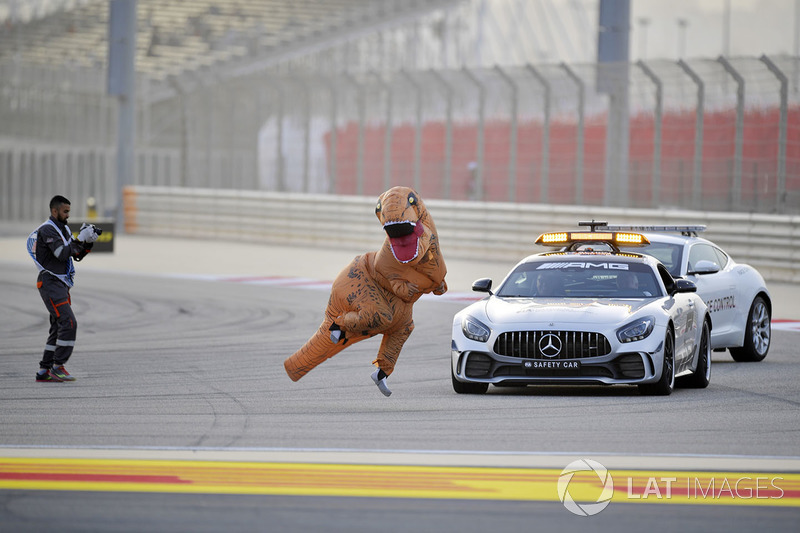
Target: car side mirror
point(685, 285)
point(482, 285)
point(705, 267)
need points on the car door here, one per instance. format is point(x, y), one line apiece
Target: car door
point(682, 311)
point(690, 333)
point(718, 289)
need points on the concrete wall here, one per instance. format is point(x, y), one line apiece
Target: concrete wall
point(770, 243)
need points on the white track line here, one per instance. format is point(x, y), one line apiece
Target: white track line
point(740, 463)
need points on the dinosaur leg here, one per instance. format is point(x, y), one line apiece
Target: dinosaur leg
point(315, 351)
point(390, 348)
point(357, 309)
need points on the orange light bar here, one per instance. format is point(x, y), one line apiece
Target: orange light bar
point(563, 238)
point(553, 238)
point(631, 238)
point(593, 236)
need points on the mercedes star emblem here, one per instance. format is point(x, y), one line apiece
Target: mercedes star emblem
point(550, 345)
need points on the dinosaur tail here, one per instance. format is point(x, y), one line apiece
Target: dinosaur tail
point(316, 350)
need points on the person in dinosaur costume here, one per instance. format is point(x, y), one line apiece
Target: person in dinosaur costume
point(376, 292)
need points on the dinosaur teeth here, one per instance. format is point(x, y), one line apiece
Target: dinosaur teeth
point(405, 245)
point(399, 229)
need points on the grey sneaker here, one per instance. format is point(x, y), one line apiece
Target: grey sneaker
point(381, 382)
point(61, 373)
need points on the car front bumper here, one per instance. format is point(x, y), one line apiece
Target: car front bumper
point(629, 368)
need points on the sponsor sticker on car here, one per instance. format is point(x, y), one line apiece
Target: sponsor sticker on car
point(582, 264)
point(552, 368)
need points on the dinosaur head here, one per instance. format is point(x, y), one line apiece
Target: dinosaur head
point(404, 220)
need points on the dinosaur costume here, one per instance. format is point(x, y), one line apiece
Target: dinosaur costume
point(376, 292)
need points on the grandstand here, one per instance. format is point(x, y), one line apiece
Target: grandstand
point(182, 36)
point(350, 96)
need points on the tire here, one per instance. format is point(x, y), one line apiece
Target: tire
point(757, 335)
point(467, 388)
point(700, 378)
point(665, 385)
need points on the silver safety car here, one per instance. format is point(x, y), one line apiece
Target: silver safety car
point(736, 294)
point(585, 313)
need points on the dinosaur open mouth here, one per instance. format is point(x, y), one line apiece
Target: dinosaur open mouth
point(404, 238)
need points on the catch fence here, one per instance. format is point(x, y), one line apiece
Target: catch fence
point(706, 134)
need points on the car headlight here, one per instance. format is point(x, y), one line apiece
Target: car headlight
point(637, 330)
point(474, 329)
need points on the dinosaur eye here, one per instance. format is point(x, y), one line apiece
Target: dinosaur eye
point(378, 207)
point(412, 199)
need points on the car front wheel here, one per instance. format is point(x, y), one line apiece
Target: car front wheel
point(665, 385)
point(757, 335)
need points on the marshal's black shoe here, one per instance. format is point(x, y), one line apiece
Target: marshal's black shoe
point(48, 377)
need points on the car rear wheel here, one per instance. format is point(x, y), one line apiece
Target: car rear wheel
point(757, 335)
point(467, 388)
point(665, 385)
point(700, 378)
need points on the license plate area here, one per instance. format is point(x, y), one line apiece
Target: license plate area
point(552, 368)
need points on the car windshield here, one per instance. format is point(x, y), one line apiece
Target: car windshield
point(668, 254)
point(599, 278)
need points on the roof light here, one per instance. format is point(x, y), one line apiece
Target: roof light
point(593, 236)
point(631, 238)
point(553, 238)
point(563, 238)
point(684, 230)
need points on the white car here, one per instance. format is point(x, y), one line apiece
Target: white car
point(736, 294)
point(583, 316)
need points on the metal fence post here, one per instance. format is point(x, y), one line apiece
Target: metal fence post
point(183, 119)
point(361, 118)
point(697, 184)
point(580, 133)
point(387, 137)
point(417, 129)
point(657, 133)
point(477, 186)
point(332, 117)
point(448, 141)
point(614, 80)
point(784, 117)
point(304, 88)
point(332, 166)
point(281, 170)
point(736, 187)
point(122, 84)
point(512, 148)
point(545, 183)
point(210, 151)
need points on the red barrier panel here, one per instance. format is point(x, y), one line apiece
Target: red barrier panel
point(759, 159)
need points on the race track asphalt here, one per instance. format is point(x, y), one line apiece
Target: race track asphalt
point(179, 359)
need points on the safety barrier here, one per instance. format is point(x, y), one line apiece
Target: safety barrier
point(485, 230)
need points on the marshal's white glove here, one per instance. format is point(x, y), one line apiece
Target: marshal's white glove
point(88, 233)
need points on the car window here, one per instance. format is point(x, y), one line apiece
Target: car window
point(668, 254)
point(703, 252)
point(594, 278)
point(722, 256)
